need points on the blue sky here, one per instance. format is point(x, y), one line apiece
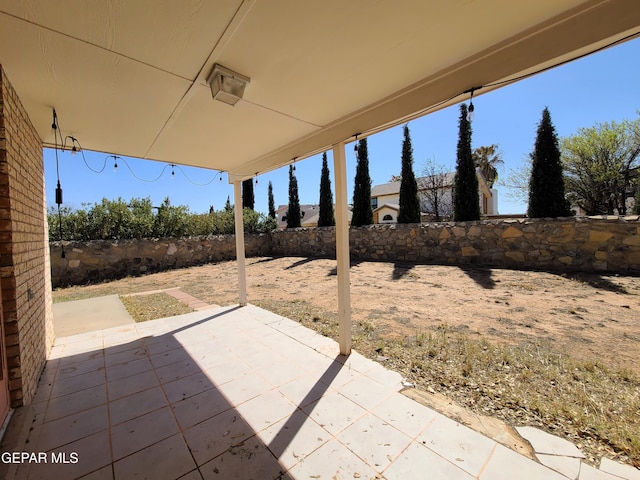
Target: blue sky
point(599, 88)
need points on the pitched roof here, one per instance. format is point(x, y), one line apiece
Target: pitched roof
point(392, 206)
point(393, 188)
point(389, 188)
point(309, 213)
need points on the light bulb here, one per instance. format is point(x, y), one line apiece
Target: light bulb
point(115, 167)
point(471, 114)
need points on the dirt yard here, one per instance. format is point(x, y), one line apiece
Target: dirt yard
point(587, 316)
point(590, 317)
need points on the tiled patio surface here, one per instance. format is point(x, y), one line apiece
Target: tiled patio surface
point(241, 393)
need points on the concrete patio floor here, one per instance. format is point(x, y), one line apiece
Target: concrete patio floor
point(242, 393)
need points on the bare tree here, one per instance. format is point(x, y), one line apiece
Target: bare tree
point(434, 189)
point(517, 181)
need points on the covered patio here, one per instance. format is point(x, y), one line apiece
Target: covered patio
point(241, 393)
point(222, 393)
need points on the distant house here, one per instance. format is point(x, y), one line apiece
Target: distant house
point(385, 198)
point(309, 214)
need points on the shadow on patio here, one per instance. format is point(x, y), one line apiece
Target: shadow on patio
point(241, 393)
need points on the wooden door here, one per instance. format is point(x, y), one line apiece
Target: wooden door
point(4, 378)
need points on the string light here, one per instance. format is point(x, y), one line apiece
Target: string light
point(115, 162)
point(355, 148)
point(256, 178)
point(173, 173)
point(74, 145)
point(470, 114)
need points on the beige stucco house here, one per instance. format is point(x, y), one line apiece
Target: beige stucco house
point(385, 198)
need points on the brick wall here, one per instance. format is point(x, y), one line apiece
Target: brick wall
point(26, 295)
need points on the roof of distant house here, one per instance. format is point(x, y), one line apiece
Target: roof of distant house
point(392, 206)
point(309, 214)
point(393, 188)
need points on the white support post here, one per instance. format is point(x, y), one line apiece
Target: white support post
point(342, 249)
point(242, 276)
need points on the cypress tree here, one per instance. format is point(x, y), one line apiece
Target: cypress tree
point(326, 216)
point(248, 200)
point(546, 184)
point(362, 212)
point(293, 213)
point(272, 205)
point(409, 202)
point(466, 202)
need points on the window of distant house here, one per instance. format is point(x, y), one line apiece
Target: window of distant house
point(387, 218)
point(374, 203)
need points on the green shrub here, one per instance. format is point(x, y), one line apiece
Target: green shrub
point(117, 219)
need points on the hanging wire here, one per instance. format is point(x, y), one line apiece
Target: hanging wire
point(143, 179)
point(84, 159)
point(196, 183)
point(173, 166)
point(79, 149)
point(56, 131)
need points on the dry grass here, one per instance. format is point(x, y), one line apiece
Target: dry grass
point(157, 305)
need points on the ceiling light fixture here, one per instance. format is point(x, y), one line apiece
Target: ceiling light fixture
point(226, 85)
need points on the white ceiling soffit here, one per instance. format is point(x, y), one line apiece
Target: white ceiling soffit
point(129, 77)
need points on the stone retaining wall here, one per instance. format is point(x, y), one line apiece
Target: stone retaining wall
point(593, 244)
point(98, 260)
point(573, 244)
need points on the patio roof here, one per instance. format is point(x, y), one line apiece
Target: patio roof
point(130, 78)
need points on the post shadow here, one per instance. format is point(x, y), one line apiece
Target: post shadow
point(481, 275)
point(401, 269)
